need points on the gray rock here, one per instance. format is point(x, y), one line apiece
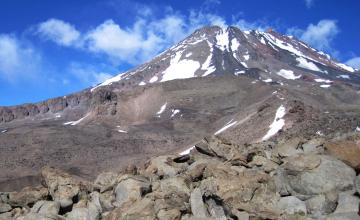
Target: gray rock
point(106, 200)
point(198, 208)
point(130, 189)
point(46, 207)
point(215, 210)
point(357, 184)
point(313, 145)
point(174, 184)
point(28, 195)
point(322, 204)
point(164, 166)
point(4, 207)
point(62, 186)
point(94, 206)
point(105, 181)
point(78, 214)
point(292, 205)
point(38, 216)
point(344, 216)
point(347, 202)
point(306, 176)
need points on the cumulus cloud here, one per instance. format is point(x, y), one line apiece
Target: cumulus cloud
point(17, 60)
point(147, 37)
point(354, 62)
point(318, 35)
point(247, 25)
point(60, 32)
point(130, 44)
point(88, 74)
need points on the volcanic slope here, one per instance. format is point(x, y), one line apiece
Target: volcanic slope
point(247, 86)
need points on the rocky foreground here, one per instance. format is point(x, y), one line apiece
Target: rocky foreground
point(286, 179)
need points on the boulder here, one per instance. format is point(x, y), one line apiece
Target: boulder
point(216, 211)
point(174, 185)
point(347, 202)
point(198, 208)
point(62, 186)
point(171, 214)
point(313, 146)
point(143, 209)
point(164, 166)
point(357, 184)
point(226, 151)
point(106, 200)
point(27, 196)
point(322, 204)
point(4, 207)
point(78, 214)
point(317, 174)
point(38, 216)
point(288, 148)
point(130, 189)
point(105, 181)
point(292, 205)
point(344, 216)
point(347, 151)
point(46, 207)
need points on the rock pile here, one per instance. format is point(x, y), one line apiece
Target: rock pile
point(289, 179)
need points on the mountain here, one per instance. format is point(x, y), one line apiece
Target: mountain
point(243, 86)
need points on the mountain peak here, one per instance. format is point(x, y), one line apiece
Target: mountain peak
point(213, 50)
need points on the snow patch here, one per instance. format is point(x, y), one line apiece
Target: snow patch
point(174, 112)
point(239, 72)
point(142, 83)
point(4, 131)
point(267, 80)
point(180, 69)
point(228, 125)
point(207, 64)
point(288, 74)
point(325, 86)
point(246, 57)
point(110, 81)
point(122, 131)
point(234, 44)
point(343, 76)
point(162, 109)
point(323, 80)
point(277, 124)
point(185, 152)
point(188, 54)
point(320, 133)
point(244, 64)
point(262, 41)
point(303, 63)
point(357, 128)
point(76, 122)
point(153, 79)
point(222, 40)
point(345, 67)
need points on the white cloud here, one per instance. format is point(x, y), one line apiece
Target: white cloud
point(17, 61)
point(147, 36)
point(354, 62)
point(59, 32)
point(87, 74)
point(318, 35)
point(309, 3)
point(130, 45)
point(246, 25)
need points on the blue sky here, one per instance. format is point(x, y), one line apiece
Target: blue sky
point(53, 48)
